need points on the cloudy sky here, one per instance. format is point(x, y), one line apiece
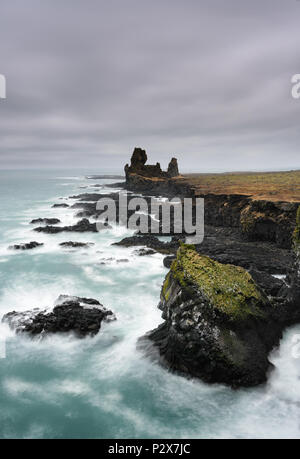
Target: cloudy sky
point(207, 81)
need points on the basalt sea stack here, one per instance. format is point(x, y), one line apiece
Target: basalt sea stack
point(218, 324)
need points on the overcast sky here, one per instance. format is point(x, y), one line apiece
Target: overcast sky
point(207, 81)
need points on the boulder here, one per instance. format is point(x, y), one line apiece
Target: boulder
point(218, 324)
point(82, 316)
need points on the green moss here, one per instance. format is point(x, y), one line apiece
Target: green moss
point(296, 234)
point(247, 221)
point(166, 288)
point(228, 288)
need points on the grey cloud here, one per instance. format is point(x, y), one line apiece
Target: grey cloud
point(207, 81)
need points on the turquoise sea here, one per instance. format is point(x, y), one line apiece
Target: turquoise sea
point(103, 387)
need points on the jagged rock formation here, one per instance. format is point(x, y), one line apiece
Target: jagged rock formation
point(138, 168)
point(219, 325)
point(82, 316)
point(173, 170)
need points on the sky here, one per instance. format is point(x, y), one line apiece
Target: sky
point(206, 81)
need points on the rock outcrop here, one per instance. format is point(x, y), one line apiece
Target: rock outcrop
point(257, 220)
point(219, 325)
point(294, 293)
point(82, 226)
point(26, 245)
point(151, 242)
point(140, 176)
point(47, 221)
point(82, 316)
point(173, 170)
point(64, 206)
point(76, 245)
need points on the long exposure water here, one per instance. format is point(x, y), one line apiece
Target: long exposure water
point(102, 387)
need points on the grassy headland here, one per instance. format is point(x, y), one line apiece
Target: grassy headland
point(271, 186)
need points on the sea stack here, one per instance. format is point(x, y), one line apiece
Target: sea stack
point(148, 177)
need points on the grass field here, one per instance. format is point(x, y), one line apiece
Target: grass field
point(274, 186)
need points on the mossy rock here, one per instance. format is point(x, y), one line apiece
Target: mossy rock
point(296, 234)
point(227, 288)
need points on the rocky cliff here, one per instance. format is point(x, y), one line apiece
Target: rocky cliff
point(149, 178)
point(257, 219)
point(218, 324)
point(294, 292)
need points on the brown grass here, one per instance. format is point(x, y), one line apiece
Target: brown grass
point(272, 186)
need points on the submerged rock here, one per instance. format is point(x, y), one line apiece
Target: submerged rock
point(60, 205)
point(26, 245)
point(82, 226)
point(82, 316)
point(218, 324)
point(144, 252)
point(48, 221)
point(76, 245)
point(151, 242)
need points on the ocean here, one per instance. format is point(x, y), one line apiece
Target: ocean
point(103, 387)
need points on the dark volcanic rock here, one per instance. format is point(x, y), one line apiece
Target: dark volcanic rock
point(271, 285)
point(269, 221)
point(26, 245)
point(173, 170)
point(81, 227)
point(149, 241)
point(218, 324)
point(138, 167)
point(48, 221)
point(60, 205)
point(293, 293)
point(76, 245)
point(168, 261)
point(145, 252)
point(226, 245)
point(82, 316)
